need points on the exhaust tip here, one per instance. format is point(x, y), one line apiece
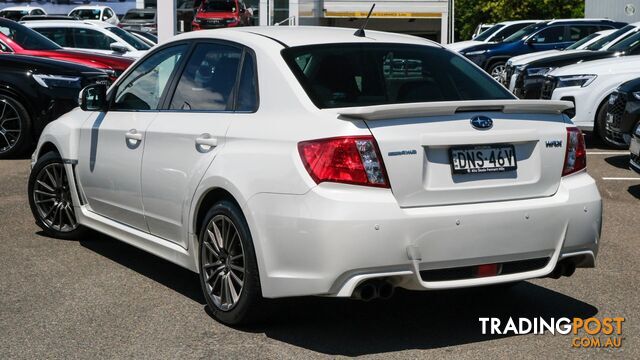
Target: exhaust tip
point(385, 290)
point(365, 292)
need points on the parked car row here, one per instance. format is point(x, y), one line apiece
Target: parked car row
point(595, 64)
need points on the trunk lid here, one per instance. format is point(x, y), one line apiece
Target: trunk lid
point(415, 142)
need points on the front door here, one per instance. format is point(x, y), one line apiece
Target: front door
point(112, 142)
point(183, 141)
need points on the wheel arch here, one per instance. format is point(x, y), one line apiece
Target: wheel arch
point(9, 90)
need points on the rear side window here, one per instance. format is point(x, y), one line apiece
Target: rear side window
point(209, 79)
point(577, 32)
point(342, 75)
point(91, 39)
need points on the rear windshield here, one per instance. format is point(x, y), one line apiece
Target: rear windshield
point(490, 31)
point(609, 39)
point(129, 38)
point(14, 15)
point(342, 75)
point(27, 39)
point(137, 15)
point(86, 14)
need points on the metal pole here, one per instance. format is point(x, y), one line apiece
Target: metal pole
point(167, 20)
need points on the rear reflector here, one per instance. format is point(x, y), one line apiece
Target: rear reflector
point(486, 270)
point(349, 160)
point(575, 158)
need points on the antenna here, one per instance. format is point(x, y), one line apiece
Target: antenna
point(360, 32)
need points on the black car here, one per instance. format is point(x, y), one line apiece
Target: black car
point(529, 78)
point(546, 35)
point(33, 92)
point(634, 163)
point(623, 113)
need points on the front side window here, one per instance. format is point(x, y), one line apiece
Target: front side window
point(550, 35)
point(209, 79)
point(341, 75)
point(142, 89)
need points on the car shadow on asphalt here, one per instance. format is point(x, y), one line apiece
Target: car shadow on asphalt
point(634, 191)
point(619, 161)
point(338, 326)
point(164, 272)
point(412, 320)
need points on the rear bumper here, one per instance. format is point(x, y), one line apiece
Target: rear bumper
point(334, 237)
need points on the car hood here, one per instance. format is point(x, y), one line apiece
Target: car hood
point(215, 15)
point(566, 58)
point(461, 45)
point(45, 65)
point(526, 58)
point(615, 65)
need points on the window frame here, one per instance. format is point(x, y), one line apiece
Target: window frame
point(111, 95)
point(173, 84)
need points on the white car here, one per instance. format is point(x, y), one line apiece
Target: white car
point(98, 37)
point(588, 85)
point(16, 13)
point(291, 161)
point(95, 13)
point(496, 33)
point(580, 45)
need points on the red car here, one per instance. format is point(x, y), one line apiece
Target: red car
point(213, 14)
point(19, 39)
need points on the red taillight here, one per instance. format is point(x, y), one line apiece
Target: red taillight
point(575, 158)
point(350, 160)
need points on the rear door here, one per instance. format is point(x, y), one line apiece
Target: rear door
point(183, 140)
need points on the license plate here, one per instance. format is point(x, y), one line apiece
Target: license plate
point(482, 159)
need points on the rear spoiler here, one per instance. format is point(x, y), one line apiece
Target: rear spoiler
point(394, 111)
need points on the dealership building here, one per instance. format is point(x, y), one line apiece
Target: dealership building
point(429, 19)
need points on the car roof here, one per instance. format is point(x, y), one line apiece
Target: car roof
point(513, 22)
point(310, 35)
point(556, 21)
point(21, 8)
point(69, 23)
point(142, 10)
point(90, 7)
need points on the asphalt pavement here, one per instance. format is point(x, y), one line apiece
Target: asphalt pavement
point(100, 298)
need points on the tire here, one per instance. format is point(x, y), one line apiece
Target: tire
point(15, 128)
point(600, 126)
point(50, 199)
point(216, 271)
point(496, 67)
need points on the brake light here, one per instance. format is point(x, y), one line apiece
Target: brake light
point(575, 158)
point(350, 160)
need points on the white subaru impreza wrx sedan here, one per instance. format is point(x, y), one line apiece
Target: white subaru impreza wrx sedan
point(289, 161)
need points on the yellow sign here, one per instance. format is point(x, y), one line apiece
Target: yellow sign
point(384, 14)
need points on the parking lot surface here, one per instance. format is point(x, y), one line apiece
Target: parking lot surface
point(100, 298)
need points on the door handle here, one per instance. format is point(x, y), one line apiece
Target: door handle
point(206, 143)
point(133, 138)
point(133, 134)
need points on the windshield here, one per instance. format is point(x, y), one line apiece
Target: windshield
point(25, 37)
point(220, 6)
point(611, 38)
point(14, 15)
point(490, 31)
point(524, 32)
point(342, 75)
point(129, 38)
point(139, 15)
point(86, 14)
point(628, 44)
point(582, 41)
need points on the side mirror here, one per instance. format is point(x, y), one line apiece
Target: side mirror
point(118, 47)
point(93, 98)
point(530, 41)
